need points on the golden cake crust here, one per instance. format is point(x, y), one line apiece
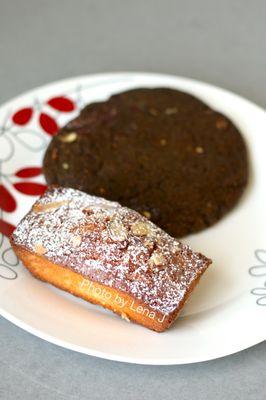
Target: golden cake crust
point(94, 292)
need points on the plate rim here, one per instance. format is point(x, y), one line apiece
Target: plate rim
point(78, 78)
point(130, 360)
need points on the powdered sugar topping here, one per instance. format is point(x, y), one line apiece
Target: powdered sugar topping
point(112, 245)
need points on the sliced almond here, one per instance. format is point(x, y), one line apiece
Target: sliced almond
point(140, 228)
point(76, 240)
point(86, 227)
point(39, 207)
point(117, 230)
point(157, 258)
point(176, 246)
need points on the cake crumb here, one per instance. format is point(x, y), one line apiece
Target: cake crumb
point(102, 190)
point(221, 123)
point(153, 112)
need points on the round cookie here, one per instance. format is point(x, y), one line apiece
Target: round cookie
point(159, 151)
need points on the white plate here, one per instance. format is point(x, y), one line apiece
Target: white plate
point(227, 312)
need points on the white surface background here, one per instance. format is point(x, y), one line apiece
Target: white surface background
point(222, 43)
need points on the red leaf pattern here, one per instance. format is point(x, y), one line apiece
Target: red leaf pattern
point(23, 116)
point(29, 172)
point(7, 201)
point(61, 103)
point(48, 124)
point(30, 188)
point(6, 228)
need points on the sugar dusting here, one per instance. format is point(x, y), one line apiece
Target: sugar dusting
point(94, 237)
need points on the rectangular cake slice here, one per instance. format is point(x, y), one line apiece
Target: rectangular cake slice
point(109, 255)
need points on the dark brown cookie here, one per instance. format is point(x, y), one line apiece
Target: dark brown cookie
point(159, 151)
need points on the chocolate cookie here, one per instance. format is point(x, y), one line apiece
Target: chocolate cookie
point(159, 151)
